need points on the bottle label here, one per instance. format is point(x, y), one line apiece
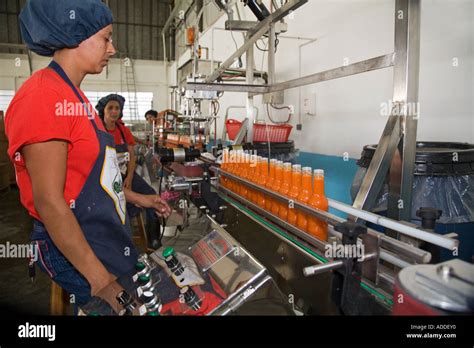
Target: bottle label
point(142, 310)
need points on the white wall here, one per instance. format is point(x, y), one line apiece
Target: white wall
point(150, 76)
point(348, 110)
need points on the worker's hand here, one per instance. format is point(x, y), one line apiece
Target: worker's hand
point(162, 208)
point(109, 294)
point(127, 183)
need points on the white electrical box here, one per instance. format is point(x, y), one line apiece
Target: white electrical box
point(309, 104)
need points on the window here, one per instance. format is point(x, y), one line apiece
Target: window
point(144, 103)
point(5, 99)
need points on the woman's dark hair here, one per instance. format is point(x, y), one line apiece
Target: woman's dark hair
point(153, 113)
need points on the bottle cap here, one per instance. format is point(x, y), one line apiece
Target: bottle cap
point(143, 279)
point(140, 266)
point(168, 252)
point(319, 172)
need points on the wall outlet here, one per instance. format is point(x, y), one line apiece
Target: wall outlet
point(299, 127)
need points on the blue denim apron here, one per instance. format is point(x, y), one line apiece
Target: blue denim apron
point(100, 210)
point(138, 184)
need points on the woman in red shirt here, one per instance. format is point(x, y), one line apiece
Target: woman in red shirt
point(65, 161)
point(110, 109)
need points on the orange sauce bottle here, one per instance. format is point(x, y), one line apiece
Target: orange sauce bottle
point(284, 190)
point(294, 192)
point(277, 182)
point(244, 190)
point(316, 227)
point(225, 167)
point(238, 170)
point(262, 180)
point(305, 195)
point(253, 176)
point(269, 183)
point(231, 169)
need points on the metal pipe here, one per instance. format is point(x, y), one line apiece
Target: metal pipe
point(171, 17)
point(429, 237)
point(415, 255)
point(271, 54)
point(389, 257)
point(387, 278)
point(411, 252)
point(250, 105)
point(371, 64)
point(223, 87)
point(318, 269)
point(256, 34)
point(405, 92)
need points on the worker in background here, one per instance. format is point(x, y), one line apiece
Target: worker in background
point(65, 160)
point(110, 109)
point(151, 116)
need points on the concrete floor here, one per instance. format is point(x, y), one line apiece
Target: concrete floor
point(17, 293)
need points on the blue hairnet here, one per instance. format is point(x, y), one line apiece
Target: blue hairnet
point(50, 25)
point(100, 107)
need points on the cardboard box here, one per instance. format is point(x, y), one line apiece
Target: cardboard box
point(4, 175)
point(3, 136)
point(3, 151)
point(11, 173)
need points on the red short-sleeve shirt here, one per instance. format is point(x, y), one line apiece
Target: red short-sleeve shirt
point(118, 135)
point(46, 108)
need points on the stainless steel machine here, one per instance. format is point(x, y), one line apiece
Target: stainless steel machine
point(391, 264)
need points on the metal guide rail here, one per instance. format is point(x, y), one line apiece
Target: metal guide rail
point(383, 256)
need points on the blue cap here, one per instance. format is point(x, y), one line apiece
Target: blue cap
point(50, 25)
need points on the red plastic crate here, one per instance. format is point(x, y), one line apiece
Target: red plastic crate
point(271, 133)
point(276, 133)
point(233, 127)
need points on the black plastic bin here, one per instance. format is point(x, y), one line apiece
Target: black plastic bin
point(443, 179)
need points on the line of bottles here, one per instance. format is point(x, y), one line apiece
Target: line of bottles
point(292, 181)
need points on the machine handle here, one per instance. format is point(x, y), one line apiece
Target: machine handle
point(318, 269)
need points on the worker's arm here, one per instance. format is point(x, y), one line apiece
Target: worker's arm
point(139, 141)
point(127, 183)
point(46, 165)
point(148, 201)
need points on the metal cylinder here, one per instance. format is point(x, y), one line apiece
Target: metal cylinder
point(318, 269)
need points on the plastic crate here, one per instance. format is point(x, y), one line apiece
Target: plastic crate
point(271, 133)
point(233, 127)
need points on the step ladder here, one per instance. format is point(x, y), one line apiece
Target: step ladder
point(128, 81)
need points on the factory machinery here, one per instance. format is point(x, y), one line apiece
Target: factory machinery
point(247, 254)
